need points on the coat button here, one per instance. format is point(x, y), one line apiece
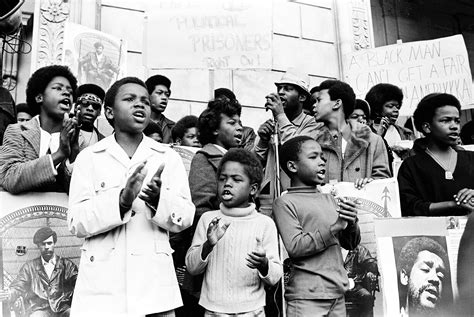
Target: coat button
point(133, 213)
point(92, 258)
point(102, 184)
point(357, 169)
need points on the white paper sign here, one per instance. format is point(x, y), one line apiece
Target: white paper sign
point(418, 68)
point(209, 34)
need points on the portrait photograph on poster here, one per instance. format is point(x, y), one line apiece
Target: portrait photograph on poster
point(93, 56)
point(417, 259)
point(34, 235)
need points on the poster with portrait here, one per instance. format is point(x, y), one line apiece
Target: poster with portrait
point(380, 198)
point(93, 56)
point(23, 219)
point(417, 261)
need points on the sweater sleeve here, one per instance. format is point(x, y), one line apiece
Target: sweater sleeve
point(270, 244)
point(289, 130)
point(194, 263)
point(298, 242)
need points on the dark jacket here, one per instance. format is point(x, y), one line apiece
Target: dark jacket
point(166, 126)
point(358, 263)
point(39, 292)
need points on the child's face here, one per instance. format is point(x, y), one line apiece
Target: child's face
point(233, 185)
point(190, 138)
point(445, 126)
point(310, 168)
point(131, 110)
point(23, 116)
point(323, 107)
point(391, 109)
point(56, 100)
point(229, 133)
point(159, 98)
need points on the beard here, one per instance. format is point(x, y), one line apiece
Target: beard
point(416, 307)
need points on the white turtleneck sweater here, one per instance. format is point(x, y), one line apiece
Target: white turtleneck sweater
point(230, 286)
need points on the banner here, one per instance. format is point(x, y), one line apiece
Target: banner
point(209, 34)
point(417, 259)
point(418, 68)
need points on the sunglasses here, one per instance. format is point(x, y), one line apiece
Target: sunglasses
point(86, 103)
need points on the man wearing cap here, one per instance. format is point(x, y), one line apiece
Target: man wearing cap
point(287, 109)
point(98, 67)
point(159, 88)
point(89, 104)
point(45, 284)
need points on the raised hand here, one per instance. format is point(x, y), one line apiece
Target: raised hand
point(151, 192)
point(274, 104)
point(133, 186)
point(382, 127)
point(215, 232)
point(265, 131)
point(257, 259)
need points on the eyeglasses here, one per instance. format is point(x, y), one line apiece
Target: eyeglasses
point(86, 103)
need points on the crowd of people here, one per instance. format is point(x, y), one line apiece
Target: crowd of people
point(144, 218)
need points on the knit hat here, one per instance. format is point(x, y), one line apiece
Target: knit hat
point(43, 234)
point(295, 77)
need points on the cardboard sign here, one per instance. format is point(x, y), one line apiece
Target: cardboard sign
point(418, 68)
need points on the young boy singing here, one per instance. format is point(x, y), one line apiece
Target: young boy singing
point(127, 192)
point(313, 226)
point(235, 247)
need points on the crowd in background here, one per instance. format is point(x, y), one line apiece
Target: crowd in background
point(157, 237)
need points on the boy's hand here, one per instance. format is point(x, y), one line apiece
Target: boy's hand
point(465, 199)
point(361, 182)
point(216, 232)
point(133, 186)
point(257, 259)
point(347, 215)
point(265, 131)
point(68, 131)
point(151, 192)
point(4, 295)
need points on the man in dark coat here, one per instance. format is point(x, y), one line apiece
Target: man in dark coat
point(45, 285)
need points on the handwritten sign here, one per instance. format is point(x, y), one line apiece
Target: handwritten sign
point(209, 34)
point(418, 68)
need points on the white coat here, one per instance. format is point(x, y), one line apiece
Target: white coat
point(126, 266)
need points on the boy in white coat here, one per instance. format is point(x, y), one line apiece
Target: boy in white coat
point(127, 191)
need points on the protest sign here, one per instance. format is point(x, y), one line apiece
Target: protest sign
point(379, 198)
point(418, 68)
point(406, 246)
point(210, 34)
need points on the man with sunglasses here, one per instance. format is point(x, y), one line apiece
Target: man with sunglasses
point(88, 106)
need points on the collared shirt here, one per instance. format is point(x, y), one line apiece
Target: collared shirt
point(49, 266)
point(49, 143)
point(224, 151)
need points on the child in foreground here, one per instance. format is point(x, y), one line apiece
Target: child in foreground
point(235, 247)
point(127, 193)
point(313, 227)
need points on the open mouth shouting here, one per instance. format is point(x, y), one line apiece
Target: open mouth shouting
point(139, 115)
point(226, 195)
point(65, 104)
point(321, 173)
